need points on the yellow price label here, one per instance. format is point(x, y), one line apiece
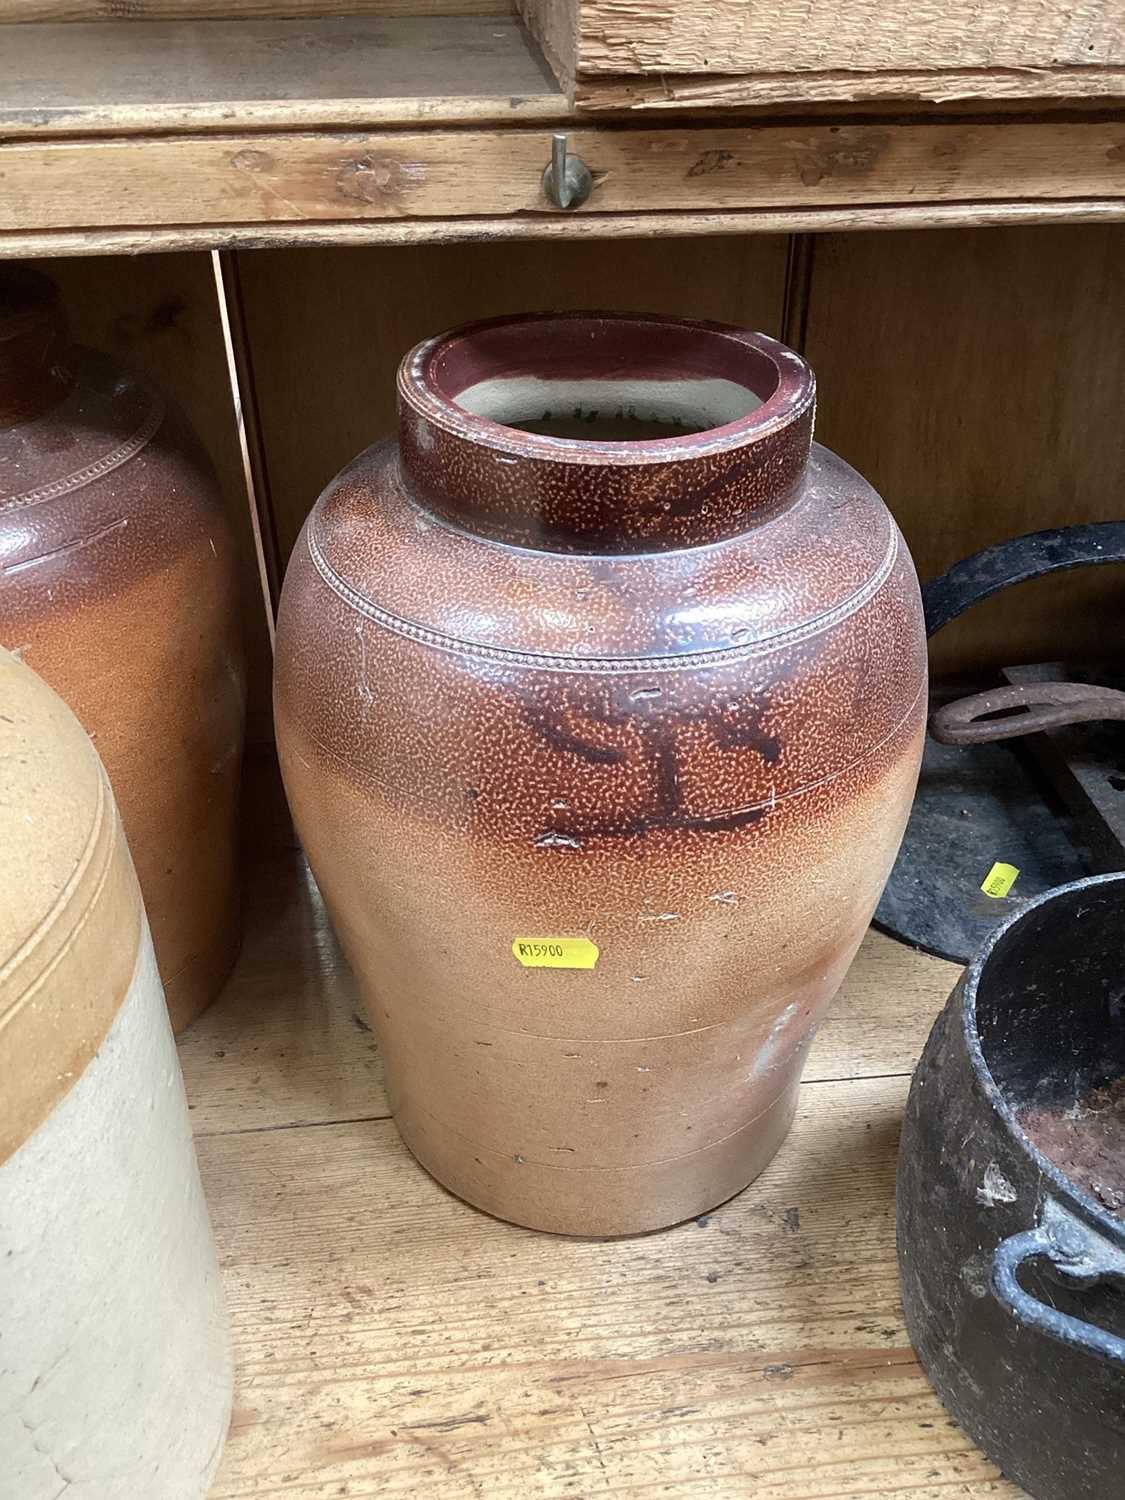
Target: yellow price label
point(556, 952)
point(1000, 880)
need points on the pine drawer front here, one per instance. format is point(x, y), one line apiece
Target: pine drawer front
point(412, 177)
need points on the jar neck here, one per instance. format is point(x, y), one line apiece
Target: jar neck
point(35, 370)
point(518, 430)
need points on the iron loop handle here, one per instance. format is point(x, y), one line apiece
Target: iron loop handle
point(1014, 561)
point(1044, 705)
point(1075, 1252)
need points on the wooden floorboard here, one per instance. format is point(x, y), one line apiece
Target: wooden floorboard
point(392, 1341)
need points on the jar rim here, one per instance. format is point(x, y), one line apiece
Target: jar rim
point(437, 372)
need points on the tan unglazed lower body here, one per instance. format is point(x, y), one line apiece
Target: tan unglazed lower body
point(643, 1198)
point(640, 1093)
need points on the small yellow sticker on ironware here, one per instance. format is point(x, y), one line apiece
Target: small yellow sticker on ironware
point(556, 952)
point(1000, 880)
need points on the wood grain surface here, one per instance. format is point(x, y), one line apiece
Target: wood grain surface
point(180, 10)
point(738, 36)
point(549, 229)
point(976, 380)
point(719, 92)
point(392, 1341)
point(295, 178)
point(222, 74)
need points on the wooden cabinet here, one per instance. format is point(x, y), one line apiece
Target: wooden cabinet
point(334, 189)
point(362, 129)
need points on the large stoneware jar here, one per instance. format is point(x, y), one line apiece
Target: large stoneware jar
point(600, 700)
point(115, 1371)
point(117, 584)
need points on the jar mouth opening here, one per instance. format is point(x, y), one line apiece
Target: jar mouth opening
point(620, 384)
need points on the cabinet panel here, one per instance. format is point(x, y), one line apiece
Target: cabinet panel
point(736, 36)
point(976, 379)
point(190, 10)
point(234, 70)
point(851, 48)
point(411, 176)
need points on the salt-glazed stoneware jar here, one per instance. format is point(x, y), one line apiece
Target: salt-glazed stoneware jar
point(118, 585)
point(115, 1370)
point(600, 700)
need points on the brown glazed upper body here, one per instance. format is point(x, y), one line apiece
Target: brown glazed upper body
point(666, 694)
point(118, 586)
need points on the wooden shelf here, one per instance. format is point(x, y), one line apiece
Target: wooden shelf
point(122, 136)
point(80, 79)
point(392, 1341)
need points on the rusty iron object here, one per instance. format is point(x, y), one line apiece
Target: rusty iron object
point(1086, 768)
point(1028, 708)
point(1050, 801)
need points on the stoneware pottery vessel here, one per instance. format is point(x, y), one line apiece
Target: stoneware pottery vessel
point(117, 585)
point(115, 1370)
point(1011, 1196)
point(600, 699)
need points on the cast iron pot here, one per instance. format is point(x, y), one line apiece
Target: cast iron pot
point(1013, 1278)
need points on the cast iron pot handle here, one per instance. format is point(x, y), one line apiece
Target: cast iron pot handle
point(1014, 561)
point(1077, 1253)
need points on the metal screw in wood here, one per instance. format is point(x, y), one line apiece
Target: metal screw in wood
point(567, 180)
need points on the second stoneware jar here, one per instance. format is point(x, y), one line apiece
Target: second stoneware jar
point(118, 585)
point(600, 700)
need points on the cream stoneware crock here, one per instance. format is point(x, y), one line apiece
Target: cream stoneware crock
point(115, 1365)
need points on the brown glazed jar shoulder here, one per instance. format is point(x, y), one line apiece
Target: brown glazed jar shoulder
point(820, 557)
point(583, 703)
point(813, 597)
point(118, 585)
point(104, 459)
